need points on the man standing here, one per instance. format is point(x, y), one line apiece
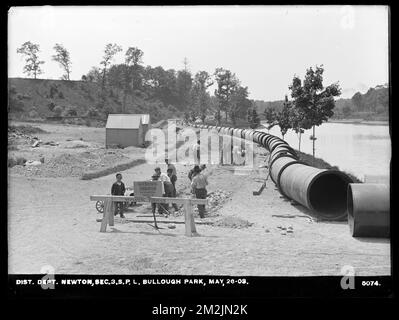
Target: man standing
point(173, 179)
point(163, 207)
point(196, 150)
point(171, 166)
point(118, 189)
point(198, 186)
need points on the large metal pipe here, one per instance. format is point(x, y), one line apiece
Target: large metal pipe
point(275, 143)
point(283, 150)
point(279, 164)
point(368, 210)
point(322, 191)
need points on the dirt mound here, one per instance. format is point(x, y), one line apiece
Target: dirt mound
point(71, 164)
point(233, 222)
point(22, 135)
point(25, 130)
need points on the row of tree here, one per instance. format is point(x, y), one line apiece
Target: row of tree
point(311, 105)
point(30, 52)
point(188, 93)
point(181, 90)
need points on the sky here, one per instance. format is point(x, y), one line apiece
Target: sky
point(265, 46)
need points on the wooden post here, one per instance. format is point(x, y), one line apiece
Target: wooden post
point(187, 217)
point(107, 212)
point(111, 213)
point(192, 222)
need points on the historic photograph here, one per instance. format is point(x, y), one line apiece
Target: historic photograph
point(199, 140)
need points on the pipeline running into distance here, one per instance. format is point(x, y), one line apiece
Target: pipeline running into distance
point(322, 191)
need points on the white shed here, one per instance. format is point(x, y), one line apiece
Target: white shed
point(124, 130)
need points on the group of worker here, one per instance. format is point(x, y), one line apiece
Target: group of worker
point(198, 185)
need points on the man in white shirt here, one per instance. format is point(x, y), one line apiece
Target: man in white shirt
point(163, 208)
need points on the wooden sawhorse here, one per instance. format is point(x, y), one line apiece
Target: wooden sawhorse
point(109, 207)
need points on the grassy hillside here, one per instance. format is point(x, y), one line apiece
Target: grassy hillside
point(38, 98)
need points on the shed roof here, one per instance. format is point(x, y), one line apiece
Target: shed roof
point(123, 121)
point(145, 117)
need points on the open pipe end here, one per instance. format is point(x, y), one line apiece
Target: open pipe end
point(328, 194)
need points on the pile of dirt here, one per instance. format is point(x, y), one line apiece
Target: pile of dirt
point(216, 199)
point(71, 164)
point(25, 130)
point(233, 222)
point(24, 134)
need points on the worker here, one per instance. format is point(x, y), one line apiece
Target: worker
point(163, 208)
point(198, 186)
point(118, 189)
point(154, 177)
point(196, 151)
point(173, 179)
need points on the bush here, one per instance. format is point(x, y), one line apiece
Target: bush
point(33, 114)
point(51, 106)
point(53, 91)
point(12, 90)
point(15, 105)
point(92, 112)
point(16, 161)
point(58, 110)
point(70, 111)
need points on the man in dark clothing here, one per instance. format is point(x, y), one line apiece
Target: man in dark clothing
point(198, 186)
point(193, 172)
point(118, 189)
point(173, 179)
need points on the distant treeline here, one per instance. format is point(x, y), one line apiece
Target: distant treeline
point(372, 105)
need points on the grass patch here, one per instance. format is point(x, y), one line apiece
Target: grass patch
point(110, 170)
point(321, 164)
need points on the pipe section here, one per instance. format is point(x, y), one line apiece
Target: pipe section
point(368, 210)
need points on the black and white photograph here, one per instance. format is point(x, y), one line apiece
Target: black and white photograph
point(219, 144)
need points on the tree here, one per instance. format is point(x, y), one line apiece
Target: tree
point(94, 75)
point(253, 118)
point(64, 60)
point(184, 83)
point(133, 58)
point(357, 100)
point(298, 122)
point(283, 118)
point(32, 63)
point(109, 52)
point(200, 96)
point(270, 115)
point(346, 110)
point(227, 82)
point(313, 100)
point(239, 104)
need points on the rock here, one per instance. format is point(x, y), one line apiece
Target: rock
point(32, 163)
point(172, 226)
